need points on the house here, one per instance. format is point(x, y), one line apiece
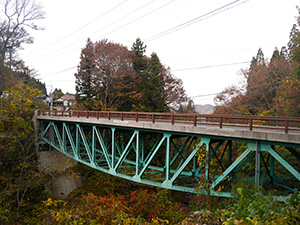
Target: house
point(65, 102)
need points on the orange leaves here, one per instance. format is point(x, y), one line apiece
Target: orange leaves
point(139, 206)
point(105, 76)
point(269, 89)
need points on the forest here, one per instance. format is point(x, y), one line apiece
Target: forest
point(112, 77)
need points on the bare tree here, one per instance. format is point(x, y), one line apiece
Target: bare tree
point(16, 16)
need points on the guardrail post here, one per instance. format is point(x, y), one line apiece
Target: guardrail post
point(195, 120)
point(251, 123)
point(286, 126)
point(98, 115)
point(122, 116)
point(55, 114)
point(221, 121)
point(108, 115)
point(69, 113)
point(136, 117)
point(87, 114)
point(153, 118)
point(172, 118)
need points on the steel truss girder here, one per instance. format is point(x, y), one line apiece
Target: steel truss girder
point(164, 159)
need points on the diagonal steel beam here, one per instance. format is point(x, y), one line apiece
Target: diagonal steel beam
point(45, 131)
point(87, 147)
point(67, 130)
point(150, 157)
point(283, 162)
point(103, 147)
point(125, 152)
point(193, 153)
point(58, 136)
point(232, 166)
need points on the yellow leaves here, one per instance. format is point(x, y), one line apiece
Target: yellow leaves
point(265, 113)
point(61, 217)
point(52, 202)
point(247, 221)
point(19, 98)
point(220, 188)
point(159, 221)
point(201, 154)
point(48, 202)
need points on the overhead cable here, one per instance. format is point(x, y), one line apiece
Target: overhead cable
point(184, 69)
point(121, 27)
point(204, 95)
point(212, 66)
point(197, 19)
point(102, 15)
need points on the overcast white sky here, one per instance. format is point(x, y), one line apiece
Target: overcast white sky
point(196, 52)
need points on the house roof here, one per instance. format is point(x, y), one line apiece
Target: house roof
point(68, 96)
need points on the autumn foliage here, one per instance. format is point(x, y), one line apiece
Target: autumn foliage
point(20, 179)
point(117, 203)
point(111, 77)
point(270, 87)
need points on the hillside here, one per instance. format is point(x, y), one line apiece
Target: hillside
point(204, 109)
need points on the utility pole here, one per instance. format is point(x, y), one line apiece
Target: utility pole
point(51, 99)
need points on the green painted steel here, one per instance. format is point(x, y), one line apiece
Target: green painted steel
point(170, 159)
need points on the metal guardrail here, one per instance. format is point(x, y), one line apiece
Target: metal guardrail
point(285, 124)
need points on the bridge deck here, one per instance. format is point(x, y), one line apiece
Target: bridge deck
point(236, 127)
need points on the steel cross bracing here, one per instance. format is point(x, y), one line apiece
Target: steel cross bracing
point(174, 160)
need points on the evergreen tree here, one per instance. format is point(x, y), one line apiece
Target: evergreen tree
point(276, 54)
point(187, 108)
point(57, 93)
point(258, 61)
point(152, 86)
point(149, 72)
point(139, 57)
point(83, 86)
point(284, 53)
point(293, 44)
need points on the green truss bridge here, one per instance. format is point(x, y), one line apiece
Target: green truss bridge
point(180, 151)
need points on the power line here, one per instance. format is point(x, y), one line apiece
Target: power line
point(184, 69)
point(121, 27)
point(58, 80)
point(55, 52)
point(62, 71)
point(121, 18)
point(139, 17)
point(204, 95)
point(104, 14)
point(197, 19)
point(213, 66)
